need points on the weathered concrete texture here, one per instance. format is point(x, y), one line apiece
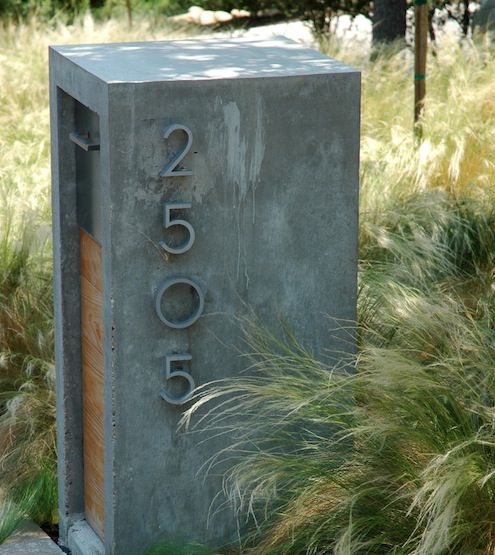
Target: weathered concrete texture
point(273, 193)
point(29, 539)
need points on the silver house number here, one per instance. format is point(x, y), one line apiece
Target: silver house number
point(173, 367)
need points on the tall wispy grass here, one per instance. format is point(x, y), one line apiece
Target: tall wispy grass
point(397, 457)
point(27, 412)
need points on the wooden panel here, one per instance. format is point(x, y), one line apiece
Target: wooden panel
point(91, 314)
point(92, 378)
point(91, 260)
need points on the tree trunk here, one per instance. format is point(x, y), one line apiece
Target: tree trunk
point(420, 52)
point(389, 21)
point(128, 6)
point(466, 19)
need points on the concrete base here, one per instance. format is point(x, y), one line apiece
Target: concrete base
point(29, 538)
point(82, 540)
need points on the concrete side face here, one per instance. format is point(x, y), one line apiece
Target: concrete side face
point(66, 302)
point(67, 84)
point(274, 207)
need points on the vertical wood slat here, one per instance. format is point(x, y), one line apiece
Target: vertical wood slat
point(92, 380)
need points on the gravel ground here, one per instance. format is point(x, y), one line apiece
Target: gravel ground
point(347, 32)
point(357, 31)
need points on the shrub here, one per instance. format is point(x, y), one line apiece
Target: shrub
point(28, 483)
point(394, 458)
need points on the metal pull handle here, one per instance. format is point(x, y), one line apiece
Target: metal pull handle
point(84, 141)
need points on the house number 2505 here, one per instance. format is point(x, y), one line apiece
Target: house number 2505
point(173, 361)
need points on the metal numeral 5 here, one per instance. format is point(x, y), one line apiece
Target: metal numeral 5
point(171, 169)
point(167, 223)
point(170, 374)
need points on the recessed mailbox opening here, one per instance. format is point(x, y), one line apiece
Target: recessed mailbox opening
point(86, 138)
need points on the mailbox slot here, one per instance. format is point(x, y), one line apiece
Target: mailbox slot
point(86, 139)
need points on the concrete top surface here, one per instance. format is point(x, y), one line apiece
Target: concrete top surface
point(199, 59)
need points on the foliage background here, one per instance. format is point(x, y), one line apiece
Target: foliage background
point(418, 476)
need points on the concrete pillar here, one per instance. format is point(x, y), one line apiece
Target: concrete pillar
point(193, 182)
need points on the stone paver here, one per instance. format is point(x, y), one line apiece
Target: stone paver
point(29, 539)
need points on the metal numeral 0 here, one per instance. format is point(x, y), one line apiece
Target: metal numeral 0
point(167, 223)
point(171, 169)
point(189, 321)
point(170, 374)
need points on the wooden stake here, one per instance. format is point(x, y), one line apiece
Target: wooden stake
point(420, 48)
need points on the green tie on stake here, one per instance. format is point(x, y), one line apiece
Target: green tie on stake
point(420, 48)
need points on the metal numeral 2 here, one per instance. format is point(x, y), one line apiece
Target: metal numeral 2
point(170, 169)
